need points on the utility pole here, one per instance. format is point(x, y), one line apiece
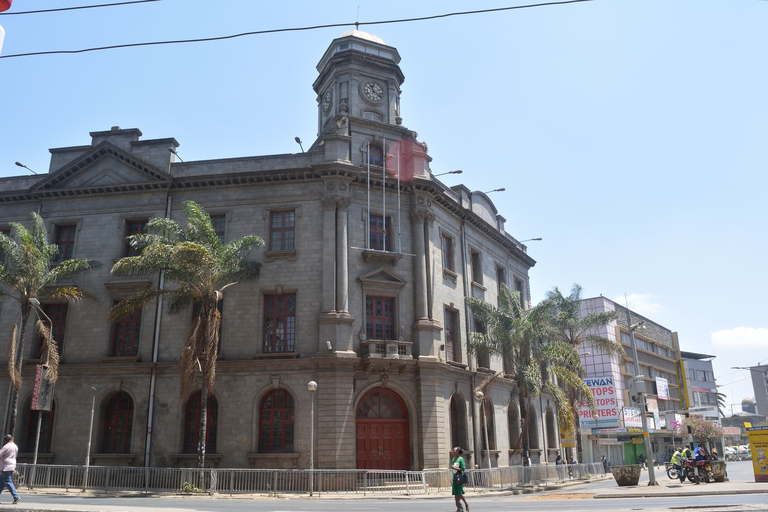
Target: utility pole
point(639, 386)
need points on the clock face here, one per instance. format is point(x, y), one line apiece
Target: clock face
point(373, 91)
point(326, 101)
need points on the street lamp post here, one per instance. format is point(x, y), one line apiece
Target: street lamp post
point(312, 387)
point(457, 171)
point(90, 433)
point(480, 397)
point(643, 404)
point(39, 311)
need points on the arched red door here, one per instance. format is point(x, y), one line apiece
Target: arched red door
point(382, 431)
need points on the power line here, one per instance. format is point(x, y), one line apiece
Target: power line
point(76, 8)
point(293, 29)
point(734, 382)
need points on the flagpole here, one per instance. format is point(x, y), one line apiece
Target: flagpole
point(384, 189)
point(368, 220)
point(399, 223)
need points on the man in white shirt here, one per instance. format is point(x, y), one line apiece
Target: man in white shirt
point(8, 454)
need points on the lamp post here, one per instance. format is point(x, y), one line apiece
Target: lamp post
point(502, 189)
point(312, 387)
point(480, 397)
point(457, 171)
point(643, 403)
point(90, 434)
point(39, 311)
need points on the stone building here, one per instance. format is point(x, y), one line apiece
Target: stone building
point(367, 264)
point(658, 349)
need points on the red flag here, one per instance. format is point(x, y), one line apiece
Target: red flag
point(5, 5)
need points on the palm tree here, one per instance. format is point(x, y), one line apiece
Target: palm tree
point(570, 327)
point(721, 397)
point(521, 338)
point(27, 274)
point(200, 267)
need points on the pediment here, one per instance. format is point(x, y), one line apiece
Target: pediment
point(104, 168)
point(381, 277)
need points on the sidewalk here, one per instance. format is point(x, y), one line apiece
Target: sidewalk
point(669, 487)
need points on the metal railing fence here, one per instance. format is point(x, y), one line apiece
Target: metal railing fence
point(292, 481)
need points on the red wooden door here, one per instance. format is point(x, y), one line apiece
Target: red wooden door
point(382, 431)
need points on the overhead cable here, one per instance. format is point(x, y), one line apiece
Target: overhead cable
point(77, 8)
point(293, 29)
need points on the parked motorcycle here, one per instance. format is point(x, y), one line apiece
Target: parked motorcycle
point(702, 472)
point(673, 470)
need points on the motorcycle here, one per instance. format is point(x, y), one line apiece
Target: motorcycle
point(697, 470)
point(673, 470)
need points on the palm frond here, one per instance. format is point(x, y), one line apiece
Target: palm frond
point(71, 268)
point(562, 405)
point(13, 371)
point(189, 359)
point(50, 352)
point(72, 294)
point(130, 304)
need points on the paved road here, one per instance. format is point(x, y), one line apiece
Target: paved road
point(529, 503)
point(578, 497)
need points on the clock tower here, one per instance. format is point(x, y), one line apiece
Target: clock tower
point(360, 78)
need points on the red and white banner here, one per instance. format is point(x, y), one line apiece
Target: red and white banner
point(42, 394)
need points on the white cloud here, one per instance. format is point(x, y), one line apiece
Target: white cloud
point(740, 338)
point(640, 303)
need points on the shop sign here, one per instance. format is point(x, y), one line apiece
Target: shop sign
point(632, 417)
point(606, 414)
point(662, 388)
point(758, 444)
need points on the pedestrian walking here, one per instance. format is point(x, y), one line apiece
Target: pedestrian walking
point(8, 454)
point(457, 488)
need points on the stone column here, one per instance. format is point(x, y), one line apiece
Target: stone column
point(342, 257)
point(329, 254)
point(420, 264)
point(335, 410)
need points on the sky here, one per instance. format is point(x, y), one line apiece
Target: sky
point(630, 135)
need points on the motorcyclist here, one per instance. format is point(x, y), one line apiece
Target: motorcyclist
point(700, 453)
point(685, 453)
point(677, 459)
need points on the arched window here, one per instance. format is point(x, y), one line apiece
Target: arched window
point(46, 430)
point(375, 155)
point(276, 422)
point(192, 424)
point(513, 422)
point(552, 441)
point(533, 430)
point(118, 422)
point(458, 422)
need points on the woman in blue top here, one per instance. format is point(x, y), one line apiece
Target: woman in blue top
point(457, 490)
